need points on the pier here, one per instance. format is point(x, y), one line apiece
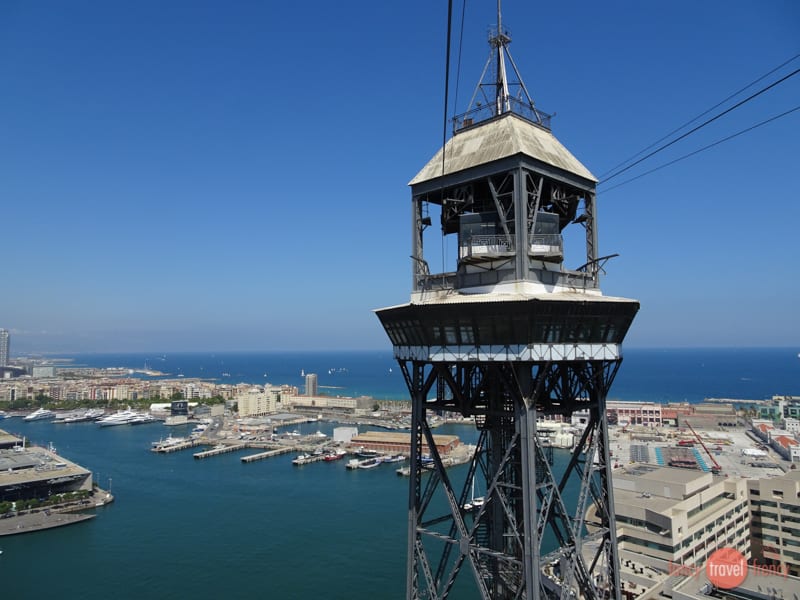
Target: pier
point(268, 454)
point(217, 450)
point(167, 448)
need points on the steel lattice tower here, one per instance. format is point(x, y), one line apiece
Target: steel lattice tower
point(509, 336)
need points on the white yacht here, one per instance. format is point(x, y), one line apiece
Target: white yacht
point(141, 418)
point(122, 417)
point(40, 414)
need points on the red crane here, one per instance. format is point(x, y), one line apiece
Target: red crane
point(716, 469)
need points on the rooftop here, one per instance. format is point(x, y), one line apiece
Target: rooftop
point(502, 137)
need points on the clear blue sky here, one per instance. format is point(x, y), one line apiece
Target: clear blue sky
point(232, 175)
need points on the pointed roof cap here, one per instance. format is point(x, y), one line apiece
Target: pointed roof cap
point(501, 137)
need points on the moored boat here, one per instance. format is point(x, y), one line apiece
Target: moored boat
point(394, 458)
point(40, 414)
point(122, 417)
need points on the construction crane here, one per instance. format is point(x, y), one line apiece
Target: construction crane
point(716, 469)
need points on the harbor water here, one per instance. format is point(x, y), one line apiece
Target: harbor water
point(182, 528)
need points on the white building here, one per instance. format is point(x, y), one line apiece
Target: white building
point(42, 371)
point(669, 516)
point(775, 525)
point(792, 425)
point(344, 434)
point(311, 384)
point(257, 401)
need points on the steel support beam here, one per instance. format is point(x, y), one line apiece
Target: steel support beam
point(502, 540)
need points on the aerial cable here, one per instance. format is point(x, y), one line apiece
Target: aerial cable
point(717, 105)
point(447, 78)
point(711, 120)
point(444, 120)
point(698, 151)
point(460, 49)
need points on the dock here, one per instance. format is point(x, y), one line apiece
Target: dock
point(267, 454)
point(216, 451)
point(308, 459)
point(167, 448)
point(39, 521)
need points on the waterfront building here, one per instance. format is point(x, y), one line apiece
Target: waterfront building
point(785, 444)
point(634, 413)
point(37, 473)
point(257, 401)
point(4, 347)
point(311, 384)
point(362, 404)
point(780, 407)
point(710, 415)
point(669, 516)
point(792, 425)
point(344, 434)
point(179, 408)
point(775, 524)
point(400, 443)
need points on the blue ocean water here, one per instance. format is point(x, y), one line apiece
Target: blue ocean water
point(220, 528)
point(662, 375)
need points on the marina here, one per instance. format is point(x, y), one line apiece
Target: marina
point(160, 490)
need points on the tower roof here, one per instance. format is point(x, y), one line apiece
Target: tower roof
point(502, 137)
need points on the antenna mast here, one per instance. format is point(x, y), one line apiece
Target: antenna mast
point(486, 104)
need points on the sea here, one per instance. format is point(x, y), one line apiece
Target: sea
point(219, 528)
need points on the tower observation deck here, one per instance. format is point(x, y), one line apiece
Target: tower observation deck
point(509, 334)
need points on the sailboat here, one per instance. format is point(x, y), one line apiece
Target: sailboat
point(476, 502)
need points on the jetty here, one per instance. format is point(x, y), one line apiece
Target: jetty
point(268, 454)
point(221, 449)
point(166, 448)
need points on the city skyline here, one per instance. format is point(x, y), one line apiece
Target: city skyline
point(199, 176)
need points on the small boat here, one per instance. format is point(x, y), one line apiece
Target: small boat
point(301, 459)
point(395, 458)
point(370, 463)
point(476, 502)
point(367, 454)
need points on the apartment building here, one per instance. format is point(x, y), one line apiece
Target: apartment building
point(679, 517)
point(257, 401)
point(775, 524)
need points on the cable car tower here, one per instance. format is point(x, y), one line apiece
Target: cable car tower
point(509, 336)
